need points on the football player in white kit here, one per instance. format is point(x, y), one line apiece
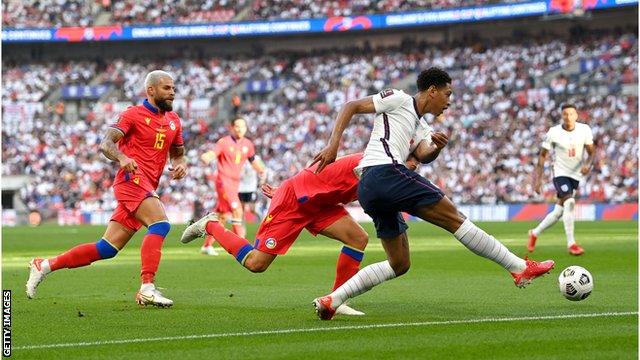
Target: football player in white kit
point(569, 140)
point(387, 187)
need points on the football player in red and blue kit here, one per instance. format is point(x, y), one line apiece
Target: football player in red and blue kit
point(140, 141)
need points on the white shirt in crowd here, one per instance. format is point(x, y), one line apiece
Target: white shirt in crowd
point(248, 178)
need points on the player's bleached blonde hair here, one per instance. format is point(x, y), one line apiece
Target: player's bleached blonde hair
point(154, 77)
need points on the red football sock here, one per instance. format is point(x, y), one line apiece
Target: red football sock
point(208, 241)
point(150, 253)
point(348, 265)
point(228, 240)
point(81, 255)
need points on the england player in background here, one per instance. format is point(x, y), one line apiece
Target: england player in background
point(387, 187)
point(568, 140)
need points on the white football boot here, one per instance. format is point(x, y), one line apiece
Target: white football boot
point(149, 295)
point(197, 229)
point(36, 275)
point(345, 309)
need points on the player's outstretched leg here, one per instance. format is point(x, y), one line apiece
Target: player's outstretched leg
point(485, 245)
point(81, 255)
point(210, 225)
point(548, 221)
point(444, 214)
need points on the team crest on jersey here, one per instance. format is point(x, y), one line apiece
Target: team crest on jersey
point(386, 92)
point(172, 125)
point(147, 120)
point(270, 243)
point(269, 218)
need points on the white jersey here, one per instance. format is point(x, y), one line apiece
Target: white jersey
point(397, 129)
point(568, 148)
point(248, 179)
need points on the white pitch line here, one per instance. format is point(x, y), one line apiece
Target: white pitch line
point(334, 328)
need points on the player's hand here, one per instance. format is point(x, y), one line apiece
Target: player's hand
point(128, 164)
point(178, 171)
point(268, 190)
point(585, 170)
point(440, 139)
point(325, 157)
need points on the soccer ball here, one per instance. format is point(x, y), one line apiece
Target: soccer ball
point(576, 283)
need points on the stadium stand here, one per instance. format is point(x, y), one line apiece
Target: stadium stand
point(297, 9)
point(499, 89)
point(52, 13)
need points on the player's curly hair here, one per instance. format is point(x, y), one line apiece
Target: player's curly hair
point(432, 76)
point(568, 106)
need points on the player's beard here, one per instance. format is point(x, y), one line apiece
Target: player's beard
point(164, 105)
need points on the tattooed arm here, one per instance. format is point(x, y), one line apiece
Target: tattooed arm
point(109, 148)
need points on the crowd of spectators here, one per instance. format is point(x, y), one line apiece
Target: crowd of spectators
point(301, 9)
point(48, 13)
point(501, 108)
point(133, 12)
point(32, 82)
point(57, 13)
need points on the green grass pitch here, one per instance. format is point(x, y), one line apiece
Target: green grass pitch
point(452, 304)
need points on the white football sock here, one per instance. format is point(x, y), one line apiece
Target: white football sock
point(363, 281)
point(568, 218)
point(485, 245)
point(549, 220)
point(45, 266)
point(147, 287)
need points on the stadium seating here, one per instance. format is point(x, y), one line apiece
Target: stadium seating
point(501, 108)
point(297, 9)
point(51, 13)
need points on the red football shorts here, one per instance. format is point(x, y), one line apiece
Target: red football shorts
point(286, 218)
point(129, 196)
point(228, 199)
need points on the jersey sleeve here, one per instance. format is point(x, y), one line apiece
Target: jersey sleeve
point(547, 141)
point(588, 135)
point(388, 100)
point(178, 140)
point(124, 122)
